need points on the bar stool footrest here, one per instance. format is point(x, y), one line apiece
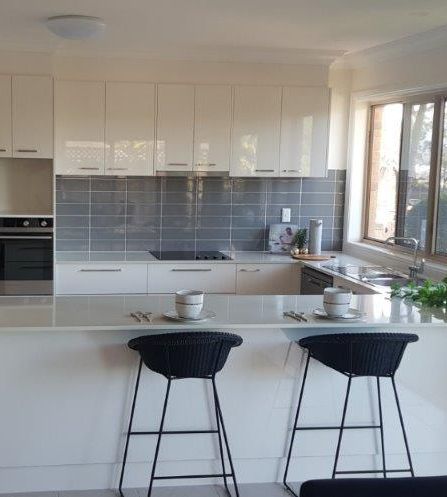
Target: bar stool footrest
point(360, 427)
point(183, 477)
point(172, 432)
point(372, 471)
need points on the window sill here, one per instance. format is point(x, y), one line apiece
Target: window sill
point(385, 257)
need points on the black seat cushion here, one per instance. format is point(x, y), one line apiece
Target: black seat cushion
point(427, 486)
point(360, 354)
point(186, 354)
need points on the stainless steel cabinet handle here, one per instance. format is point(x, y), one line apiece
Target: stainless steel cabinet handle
point(208, 164)
point(291, 170)
point(2, 149)
point(100, 270)
point(117, 169)
point(192, 270)
point(25, 237)
point(264, 170)
point(27, 150)
point(177, 164)
point(249, 270)
point(89, 168)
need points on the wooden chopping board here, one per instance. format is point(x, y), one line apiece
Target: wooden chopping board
point(312, 257)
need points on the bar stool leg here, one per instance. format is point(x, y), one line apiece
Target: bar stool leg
point(289, 455)
point(219, 434)
point(132, 411)
point(159, 434)
point(224, 431)
point(382, 438)
point(337, 452)
point(401, 419)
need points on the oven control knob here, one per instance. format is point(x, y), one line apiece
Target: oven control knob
point(25, 223)
point(43, 223)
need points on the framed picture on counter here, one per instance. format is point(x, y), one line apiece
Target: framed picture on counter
point(281, 237)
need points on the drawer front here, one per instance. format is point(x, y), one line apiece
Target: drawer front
point(268, 279)
point(88, 279)
point(211, 278)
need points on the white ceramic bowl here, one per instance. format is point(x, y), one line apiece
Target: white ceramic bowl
point(189, 297)
point(337, 296)
point(336, 310)
point(188, 311)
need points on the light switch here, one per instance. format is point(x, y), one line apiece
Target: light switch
point(285, 215)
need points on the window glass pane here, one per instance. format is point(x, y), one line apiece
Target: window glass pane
point(384, 169)
point(414, 176)
point(441, 235)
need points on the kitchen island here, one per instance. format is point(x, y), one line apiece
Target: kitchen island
point(67, 379)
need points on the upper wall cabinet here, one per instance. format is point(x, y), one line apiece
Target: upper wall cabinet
point(79, 127)
point(130, 116)
point(175, 128)
point(32, 116)
point(5, 117)
point(212, 128)
point(256, 131)
point(304, 131)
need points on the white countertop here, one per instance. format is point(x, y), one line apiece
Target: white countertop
point(103, 313)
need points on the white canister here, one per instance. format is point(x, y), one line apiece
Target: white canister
point(315, 235)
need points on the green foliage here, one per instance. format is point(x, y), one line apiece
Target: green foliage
point(300, 238)
point(429, 294)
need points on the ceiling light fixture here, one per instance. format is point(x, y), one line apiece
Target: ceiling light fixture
point(75, 27)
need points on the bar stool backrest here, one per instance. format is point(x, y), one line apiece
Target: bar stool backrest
point(198, 354)
point(359, 354)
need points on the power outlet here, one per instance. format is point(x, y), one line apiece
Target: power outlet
point(285, 215)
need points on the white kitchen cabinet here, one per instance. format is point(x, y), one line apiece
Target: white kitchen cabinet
point(130, 129)
point(211, 278)
point(102, 279)
point(32, 116)
point(5, 117)
point(212, 128)
point(268, 279)
point(304, 131)
point(175, 128)
point(256, 131)
point(79, 127)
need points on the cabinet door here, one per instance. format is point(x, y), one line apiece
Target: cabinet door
point(32, 116)
point(5, 117)
point(304, 131)
point(79, 127)
point(256, 131)
point(175, 128)
point(268, 279)
point(130, 127)
point(212, 126)
point(211, 278)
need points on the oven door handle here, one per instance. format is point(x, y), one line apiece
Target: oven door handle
point(22, 237)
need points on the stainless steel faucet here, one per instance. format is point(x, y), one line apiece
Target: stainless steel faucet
point(416, 268)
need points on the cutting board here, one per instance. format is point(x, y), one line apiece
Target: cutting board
point(312, 257)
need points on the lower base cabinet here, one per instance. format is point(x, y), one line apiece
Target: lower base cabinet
point(268, 279)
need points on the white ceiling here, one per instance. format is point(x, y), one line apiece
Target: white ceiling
point(223, 29)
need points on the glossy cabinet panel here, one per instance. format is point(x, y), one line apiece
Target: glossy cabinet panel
point(212, 127)
point(268, 279)
point(32, 116)
point(304, 131)
point(79, 127)
point(5, 117)
point(130, 123)
point(175, 128)
point(256, 131)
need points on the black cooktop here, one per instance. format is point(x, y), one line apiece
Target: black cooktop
point(190, 256)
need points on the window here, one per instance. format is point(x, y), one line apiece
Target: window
point(407, 173)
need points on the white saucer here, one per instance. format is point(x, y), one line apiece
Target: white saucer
point(351, 315)
point(203, 316)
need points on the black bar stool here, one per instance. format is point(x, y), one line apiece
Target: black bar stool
point(180, 356)
point(356, 355)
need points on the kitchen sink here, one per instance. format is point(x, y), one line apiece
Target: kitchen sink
point(385, 279)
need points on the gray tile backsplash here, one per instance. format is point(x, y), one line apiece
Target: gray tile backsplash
point(152, 213)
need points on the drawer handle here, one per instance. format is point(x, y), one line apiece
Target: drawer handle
point(264, 170)
point(2, 149)
point(192, 270)
point(183, 164)
point(209, 164)
point(117, 169)
point(89, 168)
point(27, 150)
point(291, 170)
point(249, 270)
point(24, 237)
point(100, 270)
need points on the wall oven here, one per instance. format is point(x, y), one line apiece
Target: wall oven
point(26, 256)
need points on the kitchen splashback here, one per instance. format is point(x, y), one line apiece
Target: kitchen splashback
point(103, 214)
